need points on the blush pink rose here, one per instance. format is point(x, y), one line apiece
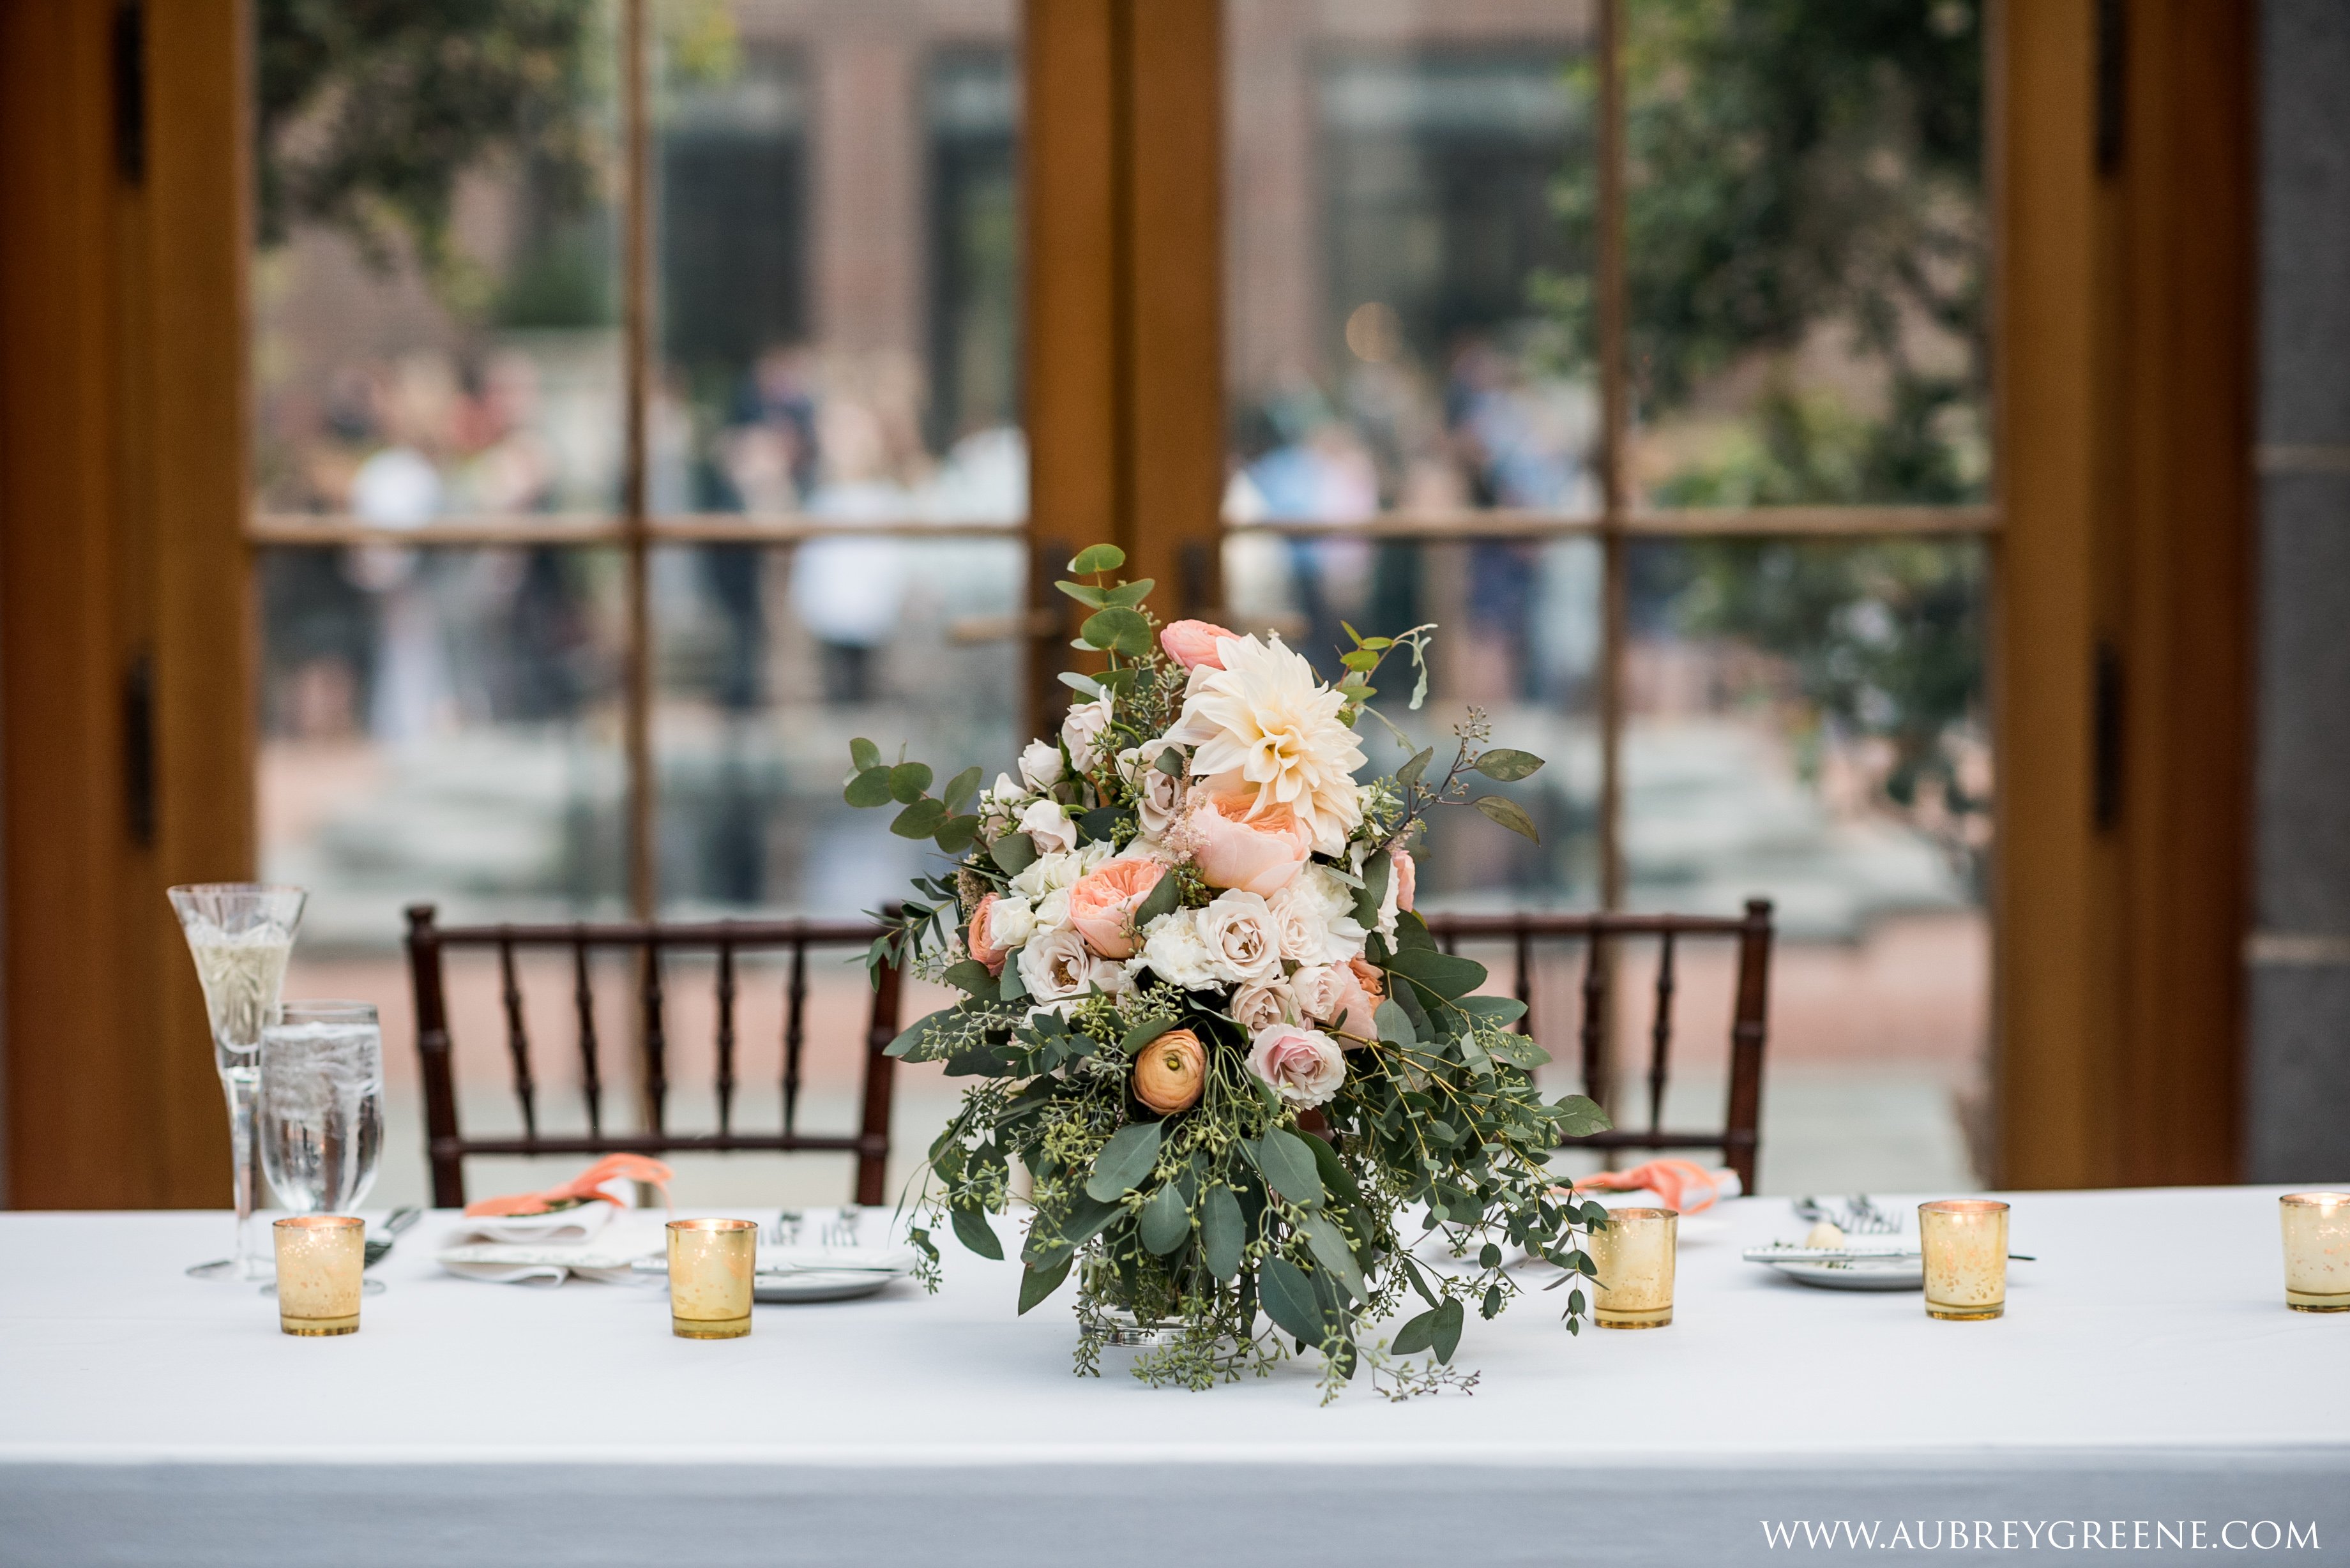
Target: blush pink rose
point(1260, 854)
point(1303, 1066)
point(1192, 643)
point(979, 938)
point(1102, 904)
point(1407, 878)
point(1333, 996)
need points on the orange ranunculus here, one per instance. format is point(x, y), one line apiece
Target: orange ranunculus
point(981, 941)
point(1102, 904)
point(1257, 855)
point(1170, 1072)
point(1407, 878)
point(1192, 643)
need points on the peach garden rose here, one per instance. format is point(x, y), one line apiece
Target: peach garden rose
point(1102, 904)
point(1252, 854)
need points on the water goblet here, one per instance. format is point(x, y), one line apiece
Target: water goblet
point(320, 1118)
point(240, 935)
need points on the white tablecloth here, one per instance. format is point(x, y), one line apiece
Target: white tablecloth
point(2147, 1377)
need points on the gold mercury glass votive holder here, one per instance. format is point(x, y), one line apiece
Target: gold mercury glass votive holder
point(1634, 1253)
point(2317, 1251)
point(321, 1259)
point(1965, 1244)
point(710, 1267)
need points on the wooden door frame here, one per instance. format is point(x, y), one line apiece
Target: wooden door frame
point(125, 636)
point(2125, 605)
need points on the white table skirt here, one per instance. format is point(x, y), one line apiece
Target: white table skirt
point(2147, 1377)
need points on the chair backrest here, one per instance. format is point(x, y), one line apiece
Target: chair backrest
point(446, 1147)
point(1741, 1135)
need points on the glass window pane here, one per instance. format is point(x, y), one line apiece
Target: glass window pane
point(1807, 252)
point(441, 724)
point(1518, 637)
point(1808, 723)
point(770, 659)
point(1407, 260)
point(838, 244)
point(435, 282)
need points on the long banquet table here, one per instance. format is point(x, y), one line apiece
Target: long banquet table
point(2147, 1377)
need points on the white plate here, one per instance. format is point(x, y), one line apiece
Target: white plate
point(1856, 1272)
point(819, 1285)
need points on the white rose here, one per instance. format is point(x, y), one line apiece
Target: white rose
point(1159, 797)
point(1040, 764)
point(1305, 1065)
point(1172, 951)
point(1309, 929)
point(1047, 825)
point(1083, 730)
point(1259, 1006)
point(1010, 922)
point(1053, 910)
point(1239, 933)
point(1057, 965)
point(999, 807)
point(1324, 990)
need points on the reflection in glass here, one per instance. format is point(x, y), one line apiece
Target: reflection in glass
point(1518, 636)
point(1808, 723)
point(440, 723)
point(1406, 273)
point(836, 218)
point(770, 659)
point(435, 282)
point(1807, 249)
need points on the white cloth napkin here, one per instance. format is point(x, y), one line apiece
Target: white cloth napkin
point(516, 1264)
point(563, 1225)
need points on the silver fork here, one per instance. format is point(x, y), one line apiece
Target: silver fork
point(840, 1231)
point(785, 1231)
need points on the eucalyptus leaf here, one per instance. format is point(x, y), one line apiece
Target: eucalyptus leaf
point(1579, 1114)
point(972, 1228)
point(1395, 1023)
point(920, 819)
point(1509, 814)
point(972, 976)
point(1518, 1050)
point(1083, 685)
point(1013, 853)
point(1412, 931)
point(1288, 1167)
point(1085, 594)
point(1036, 1283)
point(1166, 1224)
point(907, 783)
point(1506, 766)
point(1374, 893)
point(911, 1039)
point(1445, 1338)
point(1222, 1232)
point(1162, 900)
point(1417, 1335)
point(1118, 630)
point(1125, 1161)
point(956, 833)
point(1287, 1297)
point(1329, 1247)
point(1012, 988)
point(870, 788)
point(1498, 1010)
point(1442, 973)
point(1129, 595)
point(1412, 770)
point(863, 755)
point(960, 791)
point(1098, 558)
point(1171, 763)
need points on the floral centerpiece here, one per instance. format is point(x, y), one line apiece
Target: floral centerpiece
point(1205, 1020)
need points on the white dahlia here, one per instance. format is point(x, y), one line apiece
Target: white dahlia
point(1266, 721)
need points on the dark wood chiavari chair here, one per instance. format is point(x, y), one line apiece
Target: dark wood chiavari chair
point(1741, 1136)
point(447, 1148)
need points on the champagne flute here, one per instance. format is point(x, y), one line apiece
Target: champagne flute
point(320, 1111)
point(241, 935)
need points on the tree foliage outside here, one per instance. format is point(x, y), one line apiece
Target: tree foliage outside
point(1801, 168)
